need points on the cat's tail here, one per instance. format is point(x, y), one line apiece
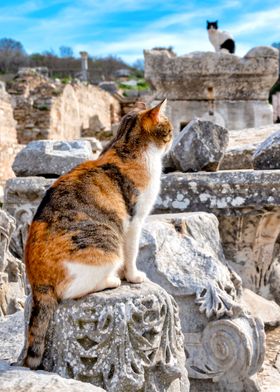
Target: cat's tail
point(43, 307)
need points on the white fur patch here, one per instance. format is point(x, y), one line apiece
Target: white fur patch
point(146, 200)
point(87, 278)
point(217, 38)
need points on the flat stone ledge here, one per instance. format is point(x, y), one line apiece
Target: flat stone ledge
point(223, 192)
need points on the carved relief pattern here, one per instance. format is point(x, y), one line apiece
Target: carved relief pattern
point(134, 344)
point(226, 349)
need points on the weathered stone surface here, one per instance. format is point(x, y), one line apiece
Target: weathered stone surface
point(96, 146)
point(11, 269)
point(8, 134)
point(126, 340)
point(235, 115)
point(221, 192)
point(22, 196)
point(267, 155)
point(189, 77)
point(12, 336)
point(234, 89)
point(249, 221)
point(47, 109)
point(242, 145)
point(8, 139)
point(199, 146)
point(110, 87)
point(182, 252)
point(269, 376)
point(267, 311)
point(24, 380)
point(50, 158)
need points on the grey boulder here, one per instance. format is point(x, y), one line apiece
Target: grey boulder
point(51, 158)
point(199, 146)
point(267, 155)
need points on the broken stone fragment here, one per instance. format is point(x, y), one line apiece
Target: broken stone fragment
point(199, 146)
point(267, 155)
point(49, 158)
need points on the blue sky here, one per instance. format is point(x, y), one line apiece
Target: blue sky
point(126, 27)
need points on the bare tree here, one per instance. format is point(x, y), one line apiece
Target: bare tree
point(12, 55)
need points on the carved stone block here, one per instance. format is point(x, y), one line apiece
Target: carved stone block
point(249, 221)
point(223, 343)
point(232, 89)
point(123, 340)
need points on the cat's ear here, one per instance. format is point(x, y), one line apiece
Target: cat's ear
point(152, 116)
point(156, 111)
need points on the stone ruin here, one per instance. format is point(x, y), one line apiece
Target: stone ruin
point(9, 146)
point(46, 109)
point(231, 90)
point(212, 244)
point(34, 107)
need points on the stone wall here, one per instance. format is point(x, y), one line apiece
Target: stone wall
point(8, 138)
point(235, 89)
point(7, 123)
point(46, 109)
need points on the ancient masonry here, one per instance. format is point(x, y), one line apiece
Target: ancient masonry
point(9, 146)
point(231, 90)
point(211, 245)
point(47, 109)
point(35, 107)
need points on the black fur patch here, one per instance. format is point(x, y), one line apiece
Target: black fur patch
point(229, 44)
point(125, 185)
point(126, 126)
point(39, 215)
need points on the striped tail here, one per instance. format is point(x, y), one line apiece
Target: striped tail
point(43, 307)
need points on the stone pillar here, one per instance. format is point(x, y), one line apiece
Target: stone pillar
point(123, 340)
point(84, 66)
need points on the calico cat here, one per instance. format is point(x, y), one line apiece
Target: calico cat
point(87, 227)
point(221, 40)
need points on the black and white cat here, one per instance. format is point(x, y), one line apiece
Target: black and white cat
point(221, 40)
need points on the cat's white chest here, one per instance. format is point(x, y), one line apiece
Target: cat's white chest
point(153, 158)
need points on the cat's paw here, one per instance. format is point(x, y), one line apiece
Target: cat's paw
point(136, 277)
point(113, 282)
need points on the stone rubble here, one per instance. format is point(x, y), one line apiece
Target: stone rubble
point(242, 146)
point(50, 158)
point(267, 155)
point(199, 146)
